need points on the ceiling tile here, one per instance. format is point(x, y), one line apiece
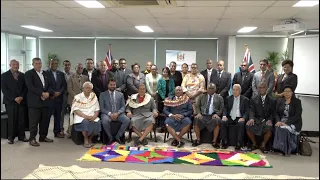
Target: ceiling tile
point(310, 13)
point(251, 3)
point(131, 12)
point(96, 13)
point(63, 13)
point(206, 3)
point(176, 30)
point(143, 22)
point(280, 12)
point(234, 24)
point(187, 22)
point(243, 12)
point(205, 12)
point(176, 12)
point(70, 4)
point(45, 4)
point(119, 22)
point(22, 13)
point(264, 23)
point(288, 3)
point(10, 4)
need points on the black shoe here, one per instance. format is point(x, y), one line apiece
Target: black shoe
point(174, 143)
point(180, 144)
point(254, 147)
point(263, 149)
point(59, 135)
point(144, 142)
point(137, 142)
point(118, 140)
point(238, 147)
point(33, 142)
point(196, 143)
point(24, 139)
point(45, 140)
point(10, 141)
point(216, 145)
point(224, 146)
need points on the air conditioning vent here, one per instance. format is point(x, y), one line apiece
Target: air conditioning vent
point(144, 3)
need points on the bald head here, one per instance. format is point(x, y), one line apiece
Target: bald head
point(115, 64)
point(211, 88)
point(220, 65)
point(148, 66)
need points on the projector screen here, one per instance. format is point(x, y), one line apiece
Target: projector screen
point(306, 64)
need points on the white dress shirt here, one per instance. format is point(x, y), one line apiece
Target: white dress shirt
point(220, 73)
point(211, 105)
point(90, 74)
point(209, 71)
point(41, 77)
point(236, 106)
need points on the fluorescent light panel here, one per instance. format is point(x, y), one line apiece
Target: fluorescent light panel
point(91, 4)
point(246, 29)
point(36, 28)
point(296, 33)
point(306, 3)
point(145, 29)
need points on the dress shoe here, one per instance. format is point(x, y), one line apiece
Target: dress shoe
point(24, 139)
point(144, 142)
point(59, 135)
point(224, 146)
point(34, 143)
point(215, 145)
point(238, 147)
point(10, 141)
point(45, 140)
point(118, 140)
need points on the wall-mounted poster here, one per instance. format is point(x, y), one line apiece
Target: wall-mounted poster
point(180, 57)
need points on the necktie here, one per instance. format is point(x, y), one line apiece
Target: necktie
point(262, 76)
point(263, 100)
point(79, 79)
point(104, 80)
point(208, 105)
point(15, 75)
point(234, 109)
point(113, 104)
point(219, 74)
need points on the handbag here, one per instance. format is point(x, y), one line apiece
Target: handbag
point(304, 146)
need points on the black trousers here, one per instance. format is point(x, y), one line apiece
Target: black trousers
point(38, 116)
point(55, 110)
point(240, 130)
point(16, 118)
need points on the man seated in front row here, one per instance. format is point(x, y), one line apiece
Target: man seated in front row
point(178, 109)
point(209, 109)
point(236, 112)
point(142, 110)
point(112, 107)
point(261, 116)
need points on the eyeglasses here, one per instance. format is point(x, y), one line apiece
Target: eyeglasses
point(263, 64)
point(243, 65)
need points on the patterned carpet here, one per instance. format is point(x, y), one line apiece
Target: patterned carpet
point(172, 155)
point(76, 172)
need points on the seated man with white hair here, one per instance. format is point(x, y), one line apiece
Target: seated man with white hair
point(85, 114)
point(236, 112)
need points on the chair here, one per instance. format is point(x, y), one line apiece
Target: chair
point(114, 126)
point(78, 139)
point(189, 134)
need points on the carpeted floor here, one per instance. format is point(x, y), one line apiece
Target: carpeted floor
point(20, 159)
point(76, 172)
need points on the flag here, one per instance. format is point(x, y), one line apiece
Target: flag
point(246, 58)
point(109, 57)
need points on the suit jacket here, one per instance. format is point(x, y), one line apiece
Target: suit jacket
point(244, 106)
point(202, 103)
point(184, 109)
point(269, 77)
point(213, 77)
point(177, 77)
point(35, 89)
point(85, 71)
point(146, 110)
point(258, 112)
point(106, 104)
point(96, 80)
point(246, 84)
point(133, 83)
point(12, 88)
point(291, 80)
point(295, 112)
point(59, 85)
point(223, 84)
point(120, 78)
point(162, 90)
point(74, 86)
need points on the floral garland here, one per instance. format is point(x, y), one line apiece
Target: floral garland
point(177, 102)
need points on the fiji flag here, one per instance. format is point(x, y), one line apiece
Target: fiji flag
point(109, 58)
point(247, 58)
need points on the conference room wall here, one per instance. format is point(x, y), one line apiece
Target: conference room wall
point(133, 50)
point(259, 48)
point(74, 50)
point(206, 49)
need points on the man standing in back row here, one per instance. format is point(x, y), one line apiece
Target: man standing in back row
point(244, 78)
point(89, 70)
point(264, 75)
point(223, 80)
point(210, 74)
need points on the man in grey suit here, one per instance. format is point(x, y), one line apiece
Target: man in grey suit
point(112, 108)
point(264, 75)
point(209, 109)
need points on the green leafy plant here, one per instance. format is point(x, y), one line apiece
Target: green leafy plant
point(273, 59)
point(285, 55)
point(52, 56)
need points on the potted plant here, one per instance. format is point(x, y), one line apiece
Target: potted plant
point(52, 56)
point(273, 59)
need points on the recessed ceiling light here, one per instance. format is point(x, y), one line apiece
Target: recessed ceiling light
point(91, 4)
point(306, 3)
point(145, 29)
point(36, 28)
point(246, 29)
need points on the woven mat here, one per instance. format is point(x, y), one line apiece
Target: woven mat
point(76, 172)
point(172, 155)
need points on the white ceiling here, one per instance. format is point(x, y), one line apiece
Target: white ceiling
point(209, 18)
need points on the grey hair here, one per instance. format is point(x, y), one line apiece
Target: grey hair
point(13, 60)
point(113, 60)
point(87, 83)
point(211, 86)
point(237, 85)
point(78, 64)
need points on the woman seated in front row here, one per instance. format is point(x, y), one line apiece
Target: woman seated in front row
point(85, 114)
point(288, 122)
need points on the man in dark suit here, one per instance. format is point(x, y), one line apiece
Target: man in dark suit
point(244, 78)
point(100, 78)
point(236, 112)
point(261, 116)
point(89, 70)
point(176, 75)
point(123, 68)
point(210, 74)
point(14, 97)
point(223, 80)
point(112, 108)
point(39, 92)
point(118, 75)
point(59, 86)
